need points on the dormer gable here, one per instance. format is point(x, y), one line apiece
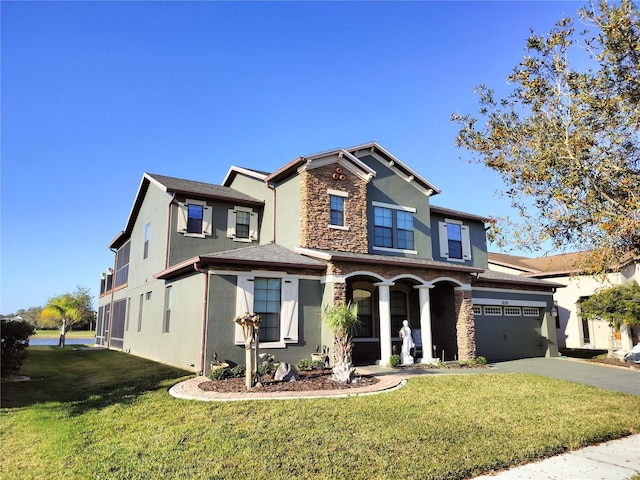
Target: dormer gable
point(395, 165)
point(339, 156)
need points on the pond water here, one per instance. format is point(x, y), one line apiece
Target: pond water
point(54, 341)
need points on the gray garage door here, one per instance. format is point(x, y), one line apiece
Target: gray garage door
point(508, 333)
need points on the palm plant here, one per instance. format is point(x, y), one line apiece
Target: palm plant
point(343, 321)
point(65, 310)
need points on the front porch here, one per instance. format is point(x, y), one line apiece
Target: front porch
point(438, 311)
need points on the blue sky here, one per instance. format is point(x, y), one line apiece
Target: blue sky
point(96, 93)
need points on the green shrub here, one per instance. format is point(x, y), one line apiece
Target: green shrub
point(481, 360)
point(15, 340)
point(238, 371)
point(219, 373)
point(317, 365)
point(303, 364)
point(394, 360)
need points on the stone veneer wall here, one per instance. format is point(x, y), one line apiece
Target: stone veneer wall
point(465, 325)
point(315, 210)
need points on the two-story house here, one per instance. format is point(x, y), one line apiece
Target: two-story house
point(348, 225)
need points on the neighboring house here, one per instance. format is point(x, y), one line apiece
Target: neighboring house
point(572, 330)
point(348, 225)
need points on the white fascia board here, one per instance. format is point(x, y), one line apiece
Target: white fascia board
point(244, 171)
point(312, 253)
point(342, 158)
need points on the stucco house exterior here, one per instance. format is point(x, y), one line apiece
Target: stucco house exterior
point(572, 330)
point(347, 225)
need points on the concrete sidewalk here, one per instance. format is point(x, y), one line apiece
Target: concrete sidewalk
point(614, 460)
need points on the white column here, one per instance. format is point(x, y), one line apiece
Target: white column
point(384, 307)
point(425, 323)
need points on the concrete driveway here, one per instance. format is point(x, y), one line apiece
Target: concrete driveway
point(620, 379)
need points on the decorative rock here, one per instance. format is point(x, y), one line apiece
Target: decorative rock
point(286, 373)
point(633, 355)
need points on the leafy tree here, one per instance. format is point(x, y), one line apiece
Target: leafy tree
point(64, 311)
point(31, 315)
point(14, 343)
point(343, 321)
point(617, 305)
point(566, 139)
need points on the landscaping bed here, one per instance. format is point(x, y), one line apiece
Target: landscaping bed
point(308, 381)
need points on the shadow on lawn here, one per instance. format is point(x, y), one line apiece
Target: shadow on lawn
point(86, 379)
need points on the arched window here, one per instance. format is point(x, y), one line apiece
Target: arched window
point(364, 300)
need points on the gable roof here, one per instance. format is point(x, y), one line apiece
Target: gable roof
point(552, 265)
point(395, 164)
point(179, 186)
point(344, 158)
point(250, 172)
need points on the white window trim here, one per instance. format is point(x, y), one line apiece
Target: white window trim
point(338, 227)
point(288, 307)
point(394, 227)
point(253, 224)
point(394, 207)
point(338, 193)
point(477, 310)
point(531, 311)
point(183, 218)
point(444, 240)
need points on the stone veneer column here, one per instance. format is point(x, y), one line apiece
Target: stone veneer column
point(339, 292)
point(465, 324)
point(425, 323)
point(384, 306)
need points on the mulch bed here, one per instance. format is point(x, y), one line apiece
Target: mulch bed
point(309, 381)
point(616, 362)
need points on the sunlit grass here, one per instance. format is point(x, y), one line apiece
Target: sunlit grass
point(83, 334)
point(113, 418)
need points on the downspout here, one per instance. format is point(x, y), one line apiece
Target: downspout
point(205, 302)
point(273, 213)
point(166, 249)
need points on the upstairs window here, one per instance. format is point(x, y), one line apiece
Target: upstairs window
point(393, 227)
point(242, 224)
point(145, 252)
point(337, 200)
point(455, 244)
point(195, 218)
point(195, 215)
point(383, 221)
point(337, 210)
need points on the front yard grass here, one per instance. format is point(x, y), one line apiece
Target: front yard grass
point(104, 414)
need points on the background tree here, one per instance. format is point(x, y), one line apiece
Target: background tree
point(14, 343)
point(343, 321)
point(617, 305)
point(566, 139)
point(31, 315)
point(64, 311)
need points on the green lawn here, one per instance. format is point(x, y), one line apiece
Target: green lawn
point(104, 414)
point(69, 335)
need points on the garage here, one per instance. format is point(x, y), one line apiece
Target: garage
point(508, 332)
